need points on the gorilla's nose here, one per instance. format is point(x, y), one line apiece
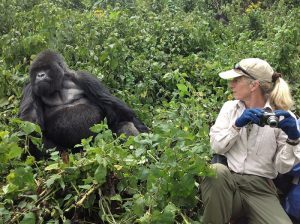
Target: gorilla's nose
point(41, 75)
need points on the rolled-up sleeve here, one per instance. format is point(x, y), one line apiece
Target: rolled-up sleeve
point(222, 134)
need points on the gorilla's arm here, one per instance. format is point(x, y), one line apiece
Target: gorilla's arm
point(31, 109)
point(120, 118)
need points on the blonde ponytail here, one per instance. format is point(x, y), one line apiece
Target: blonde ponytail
point(280, 96)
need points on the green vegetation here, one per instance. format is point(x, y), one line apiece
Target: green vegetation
point(162, 57)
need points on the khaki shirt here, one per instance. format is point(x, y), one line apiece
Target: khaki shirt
point(256, 150)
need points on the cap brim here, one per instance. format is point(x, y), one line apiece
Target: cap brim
point(233, 73)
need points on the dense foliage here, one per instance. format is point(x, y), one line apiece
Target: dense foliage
point(162, 57)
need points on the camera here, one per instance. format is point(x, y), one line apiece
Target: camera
point(269, 118)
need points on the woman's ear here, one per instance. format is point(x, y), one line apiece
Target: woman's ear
point(254, 85)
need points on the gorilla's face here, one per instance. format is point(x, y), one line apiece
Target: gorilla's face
point(47, 73)
point(46, 79)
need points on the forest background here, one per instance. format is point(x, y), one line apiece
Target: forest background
point(162, 58)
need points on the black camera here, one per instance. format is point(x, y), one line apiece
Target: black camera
point(269, 118)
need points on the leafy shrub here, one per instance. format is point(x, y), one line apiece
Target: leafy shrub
point(163, 59)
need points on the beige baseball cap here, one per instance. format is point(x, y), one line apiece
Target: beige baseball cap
point(254, 68)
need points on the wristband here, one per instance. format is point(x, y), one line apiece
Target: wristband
point(293, 142)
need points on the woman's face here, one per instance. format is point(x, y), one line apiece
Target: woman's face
point(240, 87)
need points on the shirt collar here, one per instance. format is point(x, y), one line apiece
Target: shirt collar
point(268, 105)
point(240, 104)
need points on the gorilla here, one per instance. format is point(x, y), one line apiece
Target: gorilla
point(66, 103)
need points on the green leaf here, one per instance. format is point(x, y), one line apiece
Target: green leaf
point(68, 196)
point(171, 209)
point(29, 218)
point(162, 217)
point(30, 160)
point(4, 134)
point(22, 177)
point(183, 89)
point(5, 215)
point(4, 101)
point(86, 187)
point(89, 202)
point(54, 166)
point(166, 216)
point(146, 218)
point(116, 197)
point(100, 174)
point(139, 205)
point(52, 179)
point(33, 197)
point(97, 128)
point(14, 151)
point(36, 141)
point(29, 127)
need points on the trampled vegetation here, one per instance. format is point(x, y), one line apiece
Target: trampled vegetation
point(162, 58)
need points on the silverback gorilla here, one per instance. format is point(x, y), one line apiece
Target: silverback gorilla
point(66, 103)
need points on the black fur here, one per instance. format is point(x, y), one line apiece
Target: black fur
point(67, 103)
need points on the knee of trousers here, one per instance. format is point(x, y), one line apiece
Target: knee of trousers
point(222, 175)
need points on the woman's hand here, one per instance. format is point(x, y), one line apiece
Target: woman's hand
point(249, 116)
point(288, 124)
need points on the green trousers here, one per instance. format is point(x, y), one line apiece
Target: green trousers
point(230, 195)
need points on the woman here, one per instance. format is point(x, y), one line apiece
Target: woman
point(255, 151)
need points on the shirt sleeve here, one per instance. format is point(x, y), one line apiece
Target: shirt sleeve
point(297, 152)
point(287, 154)
point(222, 134)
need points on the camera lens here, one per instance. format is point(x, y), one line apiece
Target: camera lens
point(272, 121)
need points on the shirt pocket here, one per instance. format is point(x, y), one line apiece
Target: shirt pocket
point(266, 144)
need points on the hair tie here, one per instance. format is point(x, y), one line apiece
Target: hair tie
point(275, 76)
